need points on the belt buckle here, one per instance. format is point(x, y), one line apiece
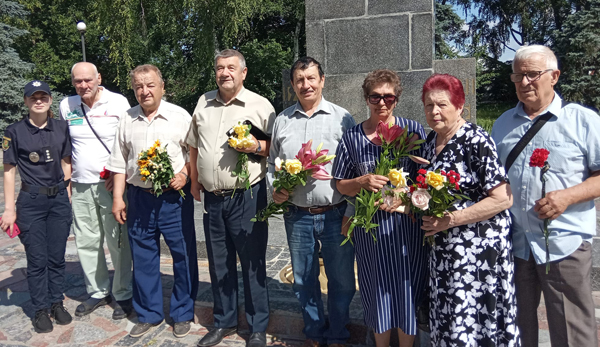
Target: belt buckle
point(53, 191)
point(218, 192)
point(315, 208)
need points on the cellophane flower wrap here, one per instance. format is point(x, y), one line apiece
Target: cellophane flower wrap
point(294, 172)
point(433, 193)
point(539, 158)
point(155, 166)
point(396, 143)
point(241, 139)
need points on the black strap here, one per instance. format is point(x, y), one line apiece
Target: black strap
point(94, 131)
point(528, 136)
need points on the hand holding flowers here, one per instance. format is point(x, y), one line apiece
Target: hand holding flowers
point(539, 158)
point(241, 139)
point(294, 172)
point(155, 165)
point(396, 143)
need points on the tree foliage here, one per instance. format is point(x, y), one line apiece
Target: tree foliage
point(449, 34)
point(12, 69)
point(179, 36)
point(578, 48)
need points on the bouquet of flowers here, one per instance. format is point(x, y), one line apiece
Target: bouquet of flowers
point(155, 165)
point(240, 138)
point(433, 194)
point(539, 158)
point(104, 174)
point(396, 143)
point(294, 172)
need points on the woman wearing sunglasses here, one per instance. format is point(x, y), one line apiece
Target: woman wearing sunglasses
point(391, 270)
point(41, 147)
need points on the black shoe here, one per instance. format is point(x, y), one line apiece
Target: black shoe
point(42, 322)
point(142, 328)
point(181, 329)
point(90, 305)
point(123, 309)
point(257, 340)
point(215, 336)
point(60, 314)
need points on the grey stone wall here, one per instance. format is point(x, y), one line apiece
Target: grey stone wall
point(353, 37)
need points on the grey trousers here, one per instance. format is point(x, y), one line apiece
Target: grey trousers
point(568, 297)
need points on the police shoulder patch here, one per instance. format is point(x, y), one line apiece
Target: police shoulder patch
point(5, 143)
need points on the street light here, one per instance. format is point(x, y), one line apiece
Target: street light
point(81, 27)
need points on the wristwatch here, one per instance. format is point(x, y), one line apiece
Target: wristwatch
point(259, 148)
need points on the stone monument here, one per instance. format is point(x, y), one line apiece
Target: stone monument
point(353, 37)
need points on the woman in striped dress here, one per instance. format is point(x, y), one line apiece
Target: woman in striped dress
point(391, 270)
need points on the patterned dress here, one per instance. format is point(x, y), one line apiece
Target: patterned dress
point(391, 271)
point(472, 292)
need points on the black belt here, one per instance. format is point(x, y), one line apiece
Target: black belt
point(230, 192)
point(319, 209)
point(50, 191)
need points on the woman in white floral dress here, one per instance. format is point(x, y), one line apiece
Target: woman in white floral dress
point(472, 301)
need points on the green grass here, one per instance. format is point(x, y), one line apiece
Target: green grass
point(488, 113)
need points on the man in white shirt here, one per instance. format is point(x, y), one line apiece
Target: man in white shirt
point(93, 116)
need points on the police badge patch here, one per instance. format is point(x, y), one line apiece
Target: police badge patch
point(5, 143)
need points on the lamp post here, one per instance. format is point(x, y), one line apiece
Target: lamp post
point(81, 27)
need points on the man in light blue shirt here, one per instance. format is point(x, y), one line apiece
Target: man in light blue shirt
point(572, 136)
point(316, 210)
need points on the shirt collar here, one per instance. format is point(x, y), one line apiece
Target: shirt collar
point(103, 98)
point(33, 129)
point(324, 107)
point(161, 112)
point(241, 97)
point(554, 107)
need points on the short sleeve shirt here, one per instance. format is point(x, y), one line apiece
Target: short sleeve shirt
point(572, 135)
point(37, 152)
point(89, 156)
point(211, 121)
point(136, 134)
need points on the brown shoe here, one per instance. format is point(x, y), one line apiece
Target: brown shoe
point(310, 343)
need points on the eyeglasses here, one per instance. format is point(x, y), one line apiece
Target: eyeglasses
point(388, 99)
point(532, 76)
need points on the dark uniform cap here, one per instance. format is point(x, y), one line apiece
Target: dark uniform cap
point(36, 86)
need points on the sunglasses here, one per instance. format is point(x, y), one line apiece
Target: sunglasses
point(532, 76)
point(387, 99)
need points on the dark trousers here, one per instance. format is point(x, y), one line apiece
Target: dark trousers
point(228, 231)
point(45, 223)
point(567, 295)
point(171, 216)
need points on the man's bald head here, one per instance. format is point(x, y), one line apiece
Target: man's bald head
point(86, 79)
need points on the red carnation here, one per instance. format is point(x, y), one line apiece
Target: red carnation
point(422, 172)
point(412, 189)
point(104, 174)
point(443, 173)
point(451, 179)
point(421, 179)
point(539, 157)
point(456, 186)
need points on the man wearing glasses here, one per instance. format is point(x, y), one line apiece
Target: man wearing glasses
point(572, 136)
point(315, 215)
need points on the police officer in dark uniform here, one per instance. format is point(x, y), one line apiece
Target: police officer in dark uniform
point(41, 147)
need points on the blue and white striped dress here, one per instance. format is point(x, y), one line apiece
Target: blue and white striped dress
point(391, 271)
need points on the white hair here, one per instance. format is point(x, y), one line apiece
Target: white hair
point(94, 68)
point(526, 52)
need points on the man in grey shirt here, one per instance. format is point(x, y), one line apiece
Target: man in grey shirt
point(316, 210)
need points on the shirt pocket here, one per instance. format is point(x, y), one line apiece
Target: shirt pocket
point(565, 156)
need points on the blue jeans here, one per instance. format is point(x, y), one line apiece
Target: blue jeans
point(304, 230)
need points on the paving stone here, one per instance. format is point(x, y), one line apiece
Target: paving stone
point(85, 333)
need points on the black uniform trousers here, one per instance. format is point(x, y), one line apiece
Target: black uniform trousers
point(45, 223)
point(228, 230)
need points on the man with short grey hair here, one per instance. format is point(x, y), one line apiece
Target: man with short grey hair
point(229, 206)
point(150, 215)
point(571, 134)
point(93, 116)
